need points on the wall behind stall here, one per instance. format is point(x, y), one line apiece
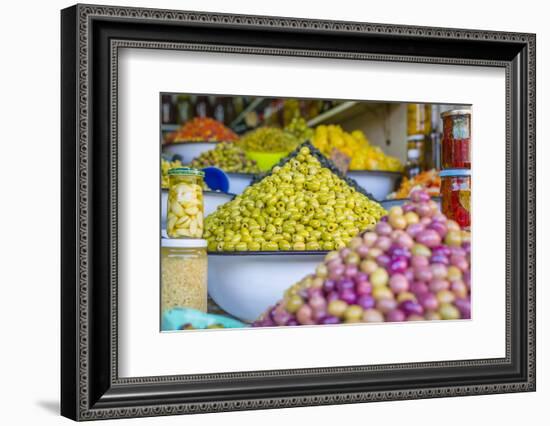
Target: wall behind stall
point(30, 213)
point(385, 126)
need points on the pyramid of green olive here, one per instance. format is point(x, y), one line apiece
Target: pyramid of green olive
point(303, 204)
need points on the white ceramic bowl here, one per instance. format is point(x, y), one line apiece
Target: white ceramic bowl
point(188, 151)
point(246, 284)
point(212, 199)
point(238, 182)
point(388, 204)
point(378, 183)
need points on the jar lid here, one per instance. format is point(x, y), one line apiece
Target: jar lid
point(416, 137)
point(184, 242)
point(454, 172)
point(413, 154)
point(456, 112)
point(185, 171)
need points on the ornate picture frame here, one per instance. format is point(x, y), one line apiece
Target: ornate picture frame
point(90, 39)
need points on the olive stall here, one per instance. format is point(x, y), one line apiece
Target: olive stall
point(303, 212)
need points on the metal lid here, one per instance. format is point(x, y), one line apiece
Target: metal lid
point(416, 137)
point(456, 112)
point(454, 172)
point(413, 154)
point(184, 242)
point(185, 171)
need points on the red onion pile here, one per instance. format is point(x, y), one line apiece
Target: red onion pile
point(414, 265)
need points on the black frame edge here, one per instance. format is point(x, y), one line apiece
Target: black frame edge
point(69, 188)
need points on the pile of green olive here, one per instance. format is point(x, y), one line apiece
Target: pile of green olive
point(228, 157)
point(301, 205)
point(299, 128)
point(268, 139)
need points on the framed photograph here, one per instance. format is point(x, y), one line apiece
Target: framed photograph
point(263, 212)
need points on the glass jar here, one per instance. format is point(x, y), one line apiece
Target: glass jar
point(415, 155)
point(455, 195)
point(183, 274)
point(456, 143)
point(419, 119)
point(185, 209)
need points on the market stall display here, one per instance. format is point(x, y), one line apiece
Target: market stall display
point(303, 204)
point(413, 265)
point(227, 156)
point(356, 146)
point(306, 200)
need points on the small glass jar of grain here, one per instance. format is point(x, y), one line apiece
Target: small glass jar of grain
point(185, 210)
point(183, 274)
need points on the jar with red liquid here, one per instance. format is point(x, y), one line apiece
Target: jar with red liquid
point(456, 188)
point(456, 143)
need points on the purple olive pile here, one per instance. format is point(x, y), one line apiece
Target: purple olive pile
point(413, 265)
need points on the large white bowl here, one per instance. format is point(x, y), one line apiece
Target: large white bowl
point(188, 151)
point(212, 200)
point(246, 284)
point(388, 204)
point(378, 183)
point(238, 182)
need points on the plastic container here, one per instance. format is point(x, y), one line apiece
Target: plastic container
point(266, 160)
point(456, 142)
point(455, 195)
point(184, 274)
point(191, 319)
point(185, 208)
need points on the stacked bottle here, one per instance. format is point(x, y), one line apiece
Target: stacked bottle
point(455, 163)
point(419, 127)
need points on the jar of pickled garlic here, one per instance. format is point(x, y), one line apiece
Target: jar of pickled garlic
point(456, 142)
point(185, 209)
point(455, 195)
point(183, 274)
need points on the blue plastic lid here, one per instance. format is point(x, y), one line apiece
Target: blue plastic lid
point(454, 172)
point(216, 179)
